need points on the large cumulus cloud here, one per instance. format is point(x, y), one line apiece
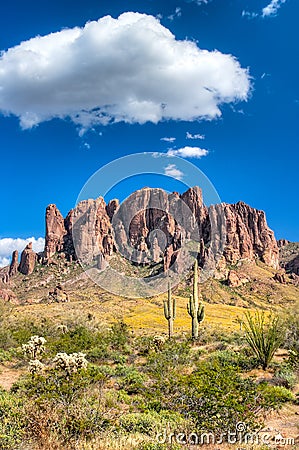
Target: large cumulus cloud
point(129, 69)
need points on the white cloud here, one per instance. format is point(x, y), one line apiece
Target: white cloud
point(8, 245)
point(194, 136)
point(249, 15)
point(168, 139)
point(4, 261)
point(188, 152)
point(130, 69)
point(199, 2)
point(177, 13)
point(172, 171)
point(272, 8)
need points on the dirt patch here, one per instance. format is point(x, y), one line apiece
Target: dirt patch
point(8, 376)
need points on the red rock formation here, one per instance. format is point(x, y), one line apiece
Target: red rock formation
point(171, 219)
point(282, 243)
point(91, 230)
point(236, 280)
point(13, 268)
point(9, 296)
point(28, 259)
point(58, 295)
point(55, 232)
point(280, 277)
point(112, 207)
point(248, 236)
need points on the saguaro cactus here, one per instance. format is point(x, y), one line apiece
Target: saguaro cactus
point(194, 307)
point(170, 311)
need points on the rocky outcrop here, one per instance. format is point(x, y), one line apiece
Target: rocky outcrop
point(248, 236)
point(58, 295)
point(280, 277)
point(112, 207)
point(236, 279)
point(9, 296)
point(293, 266)
point(91, 230)
point(282, 243)
point(55, 232)
point(28, 259)
point(152, 223)
point(13, 268)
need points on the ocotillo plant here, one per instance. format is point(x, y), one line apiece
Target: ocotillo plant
point(194, 308)
point(170, 311)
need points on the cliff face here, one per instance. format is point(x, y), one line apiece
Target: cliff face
point(248, 236)
point(55, 232)
point(152, 225)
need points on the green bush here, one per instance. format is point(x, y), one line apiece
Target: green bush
point(130, 379)
point(149, 422)
point(274, 396)
point(78, 339)
point(55, 386)
point(285, 376)
point(119, 337)
point(216, 397)
point(5, 356)
point(157, 446)
point(145, 423)
point(12, 420)
point(236, 359)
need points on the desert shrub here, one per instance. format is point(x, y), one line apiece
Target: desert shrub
point(173, 355)
point(149, 422)
point(12, 420)
point(285, 376)
point(5, 356)
point(143, 345)
point(293, 359)
point(78, 339)
point(216, 397)
point(145, 423)
point(58, 386)
point(274, 396)
point(210, 335)
point(130, 379)
point(238, 359)
point(157, 446)
point(119, 336)
point(117, 357)
point(80, 420)
point(292, 330)
point(263, 336)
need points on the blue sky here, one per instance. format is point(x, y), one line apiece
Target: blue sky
point(252, 146)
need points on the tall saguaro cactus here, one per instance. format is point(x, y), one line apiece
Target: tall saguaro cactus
point(170, 311)
point(194, 307)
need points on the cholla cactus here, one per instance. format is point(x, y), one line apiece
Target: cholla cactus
point(34, 347)
point(35, 366)
point(159, 342)
point(70, 363)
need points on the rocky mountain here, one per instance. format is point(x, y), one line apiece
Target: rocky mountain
point(152, 218)
point(150, 229)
